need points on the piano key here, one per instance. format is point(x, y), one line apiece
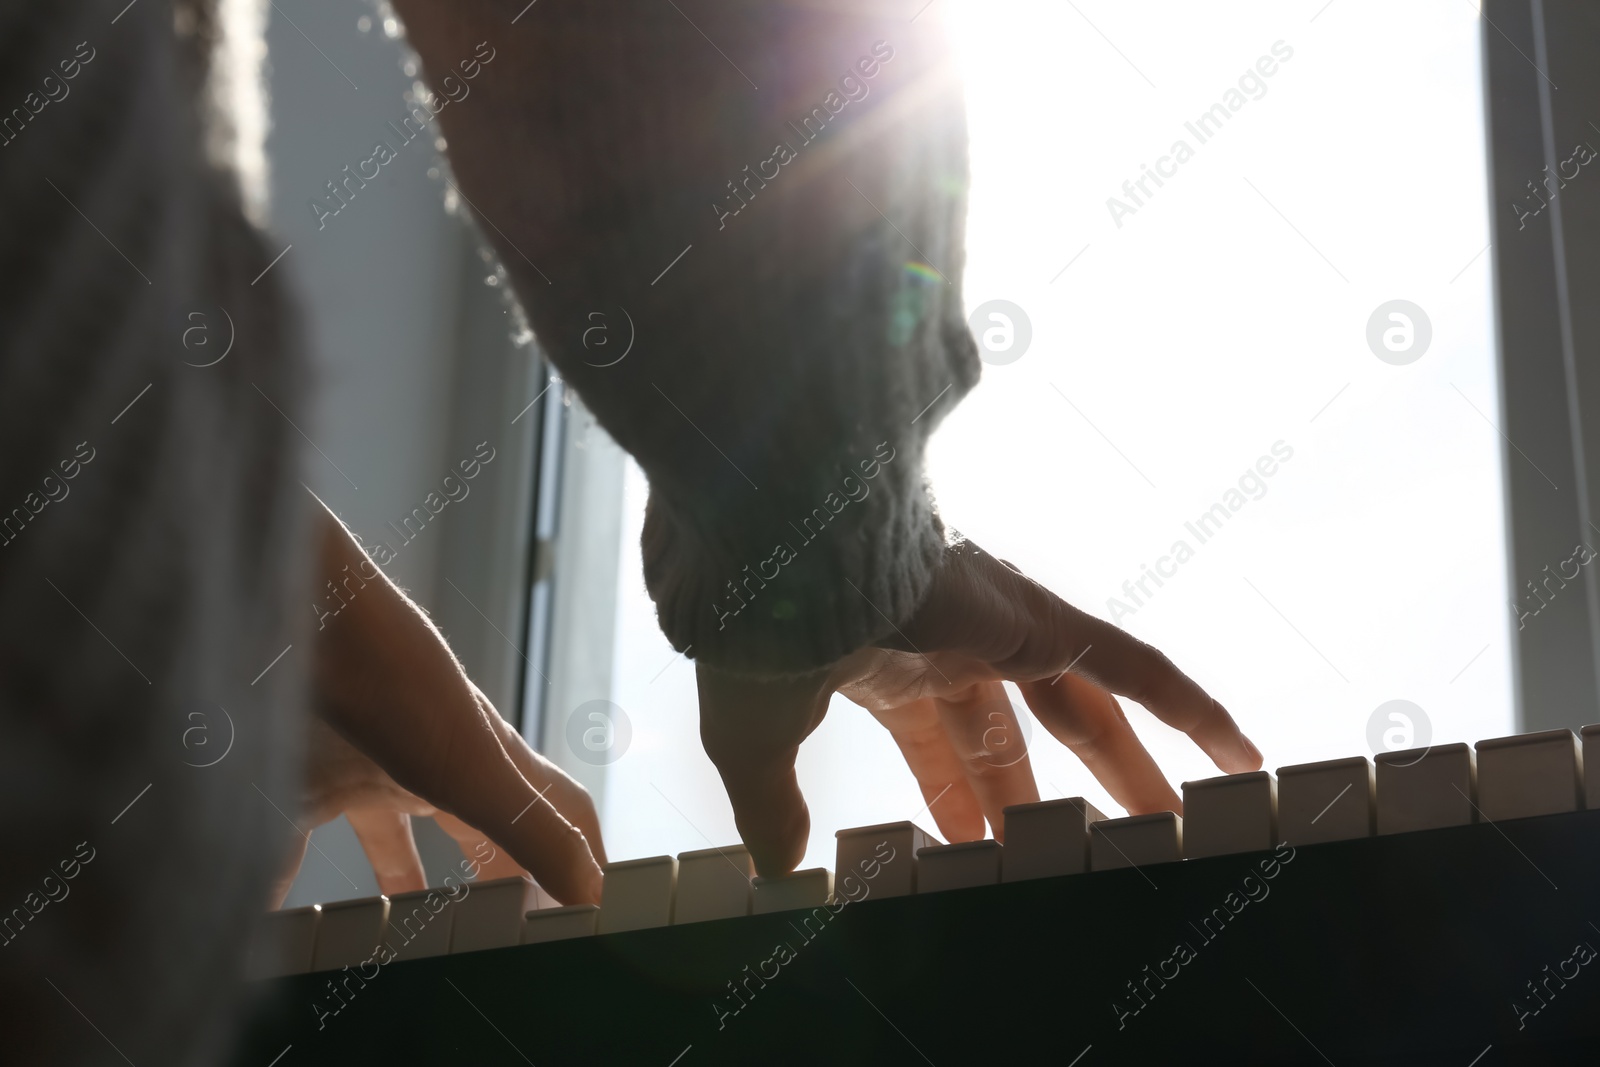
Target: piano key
point(884, 856)
point(1136, 841)
point(1331, 800)
point(490, 914)
point(419, 923)
point(350, 932)
point(1529, 774)
point(638, 894)
point(559, 924)
point(1230, 813)
point(1591, 767)
point(790, 892)
point(713, 883)
point(281, 943)
point(958, 866)
point(1047, 839)
point(1424, 789)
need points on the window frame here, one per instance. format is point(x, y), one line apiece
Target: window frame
point(1549, 401)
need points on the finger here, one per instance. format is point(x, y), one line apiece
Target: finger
point(925, 743)
point(509, 810)
point(559, 788)
point(1088, 720)
point(288, 873)
point(986, 738)
point(1122, 663)
point(490, 860)
point(473, 778)
point(1056, 637)
point(385, 836)
point(752, 731)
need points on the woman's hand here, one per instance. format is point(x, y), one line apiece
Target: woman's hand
point(341, 780)
point(400, 730)
point(935, 684)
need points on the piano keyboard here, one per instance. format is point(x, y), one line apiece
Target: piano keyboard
point(1404, 869)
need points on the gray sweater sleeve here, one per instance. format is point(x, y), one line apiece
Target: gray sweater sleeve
point(152, 533)
point(768, 200)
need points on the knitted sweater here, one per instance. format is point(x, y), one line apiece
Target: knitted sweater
point(774, 194)
point(153, 537)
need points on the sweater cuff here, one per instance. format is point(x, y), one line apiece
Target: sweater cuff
point(807, 577)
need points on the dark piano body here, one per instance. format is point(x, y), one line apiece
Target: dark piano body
point(1470, 945)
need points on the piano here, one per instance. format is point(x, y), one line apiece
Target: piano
point(1432, 906)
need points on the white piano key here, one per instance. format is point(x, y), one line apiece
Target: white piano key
point(638, 894)
point(882, 856)
point(350, 932)
point(1230, 813)
point(282, 942)
point(419, 923)
point(1136, 841)
point(1529, 774)
point(1424, 789)
point(713, 883)
point(1048, 838)
point(959, 865)
point(803, 889)
point(1591, 767)
point(559, 924)
point(490, 914)
point(1331, 800)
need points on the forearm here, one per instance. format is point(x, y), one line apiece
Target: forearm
point(784, 260)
